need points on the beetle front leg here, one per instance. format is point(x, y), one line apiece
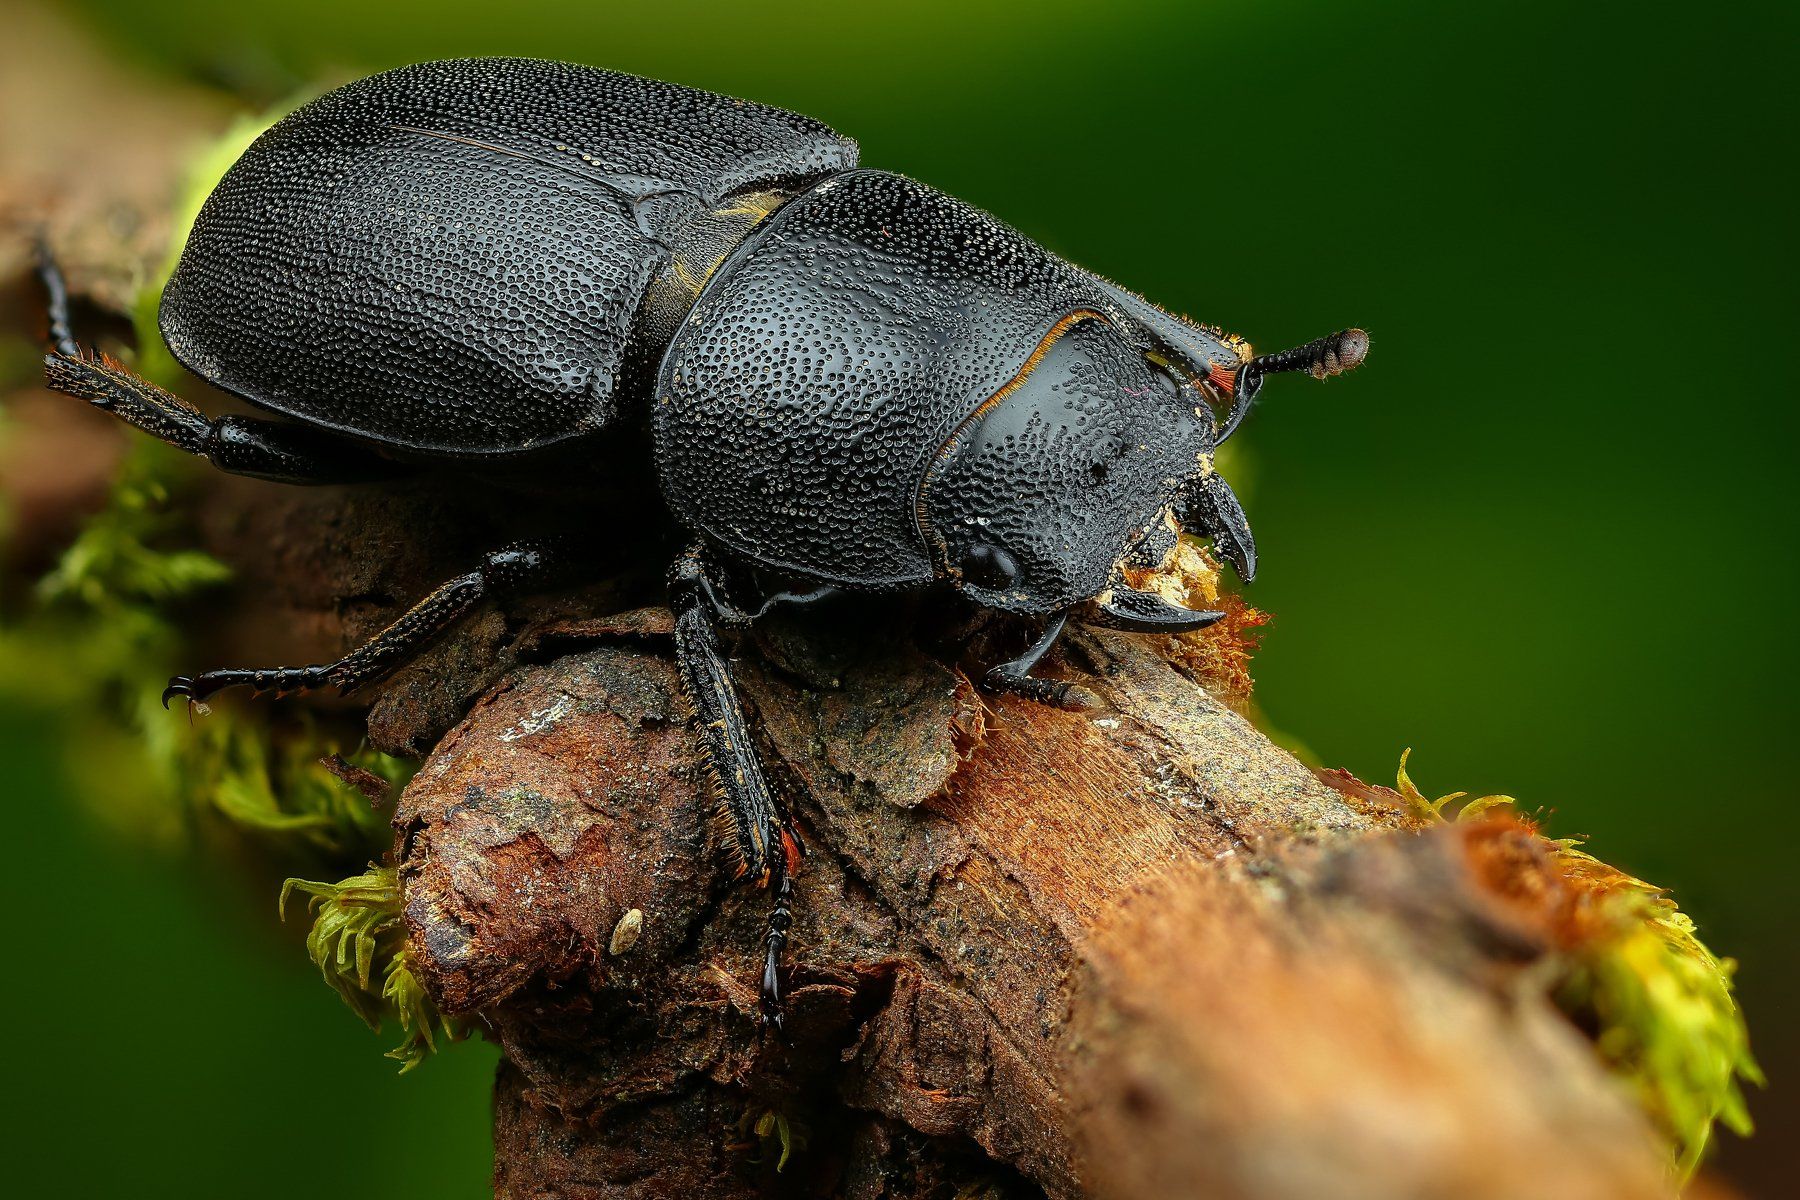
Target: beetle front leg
point(763, 838)
point(1015, 676)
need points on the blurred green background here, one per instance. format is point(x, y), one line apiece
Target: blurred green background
point(1546, 536)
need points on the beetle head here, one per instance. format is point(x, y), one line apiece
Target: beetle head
point(1091, 460)
point(1042, 495)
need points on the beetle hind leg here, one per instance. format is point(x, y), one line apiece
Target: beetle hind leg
point(56, 303)
point(262, 449)
point(252, 446)
point(758, 829)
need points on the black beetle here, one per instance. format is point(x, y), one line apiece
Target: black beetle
point(852, 381)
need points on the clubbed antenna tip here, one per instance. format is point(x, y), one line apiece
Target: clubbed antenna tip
point(1321, 359)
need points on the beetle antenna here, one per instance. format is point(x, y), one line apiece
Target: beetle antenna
point(1321, 358)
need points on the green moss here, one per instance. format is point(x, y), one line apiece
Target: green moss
point(1632, 970)
point(293, 796)
point(772, 1133)
point(114, 567)
point(1452, 807)
point(99, 637)
point(1662, 1004)
point(358, 942)
point(102, 634)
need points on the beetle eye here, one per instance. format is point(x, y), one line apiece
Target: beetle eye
point(989, 567)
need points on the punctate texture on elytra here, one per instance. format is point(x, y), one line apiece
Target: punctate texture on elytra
point(448, 257)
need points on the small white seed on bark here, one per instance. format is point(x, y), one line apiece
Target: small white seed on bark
point(625, 933)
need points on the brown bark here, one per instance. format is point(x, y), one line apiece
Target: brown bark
point(1139, 953)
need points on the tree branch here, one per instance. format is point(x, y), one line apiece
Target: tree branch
point(1143, 952)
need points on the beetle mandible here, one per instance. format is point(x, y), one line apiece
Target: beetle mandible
point(851, 381)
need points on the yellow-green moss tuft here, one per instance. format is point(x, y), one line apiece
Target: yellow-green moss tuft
point(1444, 808)
point(771, 1132)
point(1630, 969)
point(294, 796)
point(358, 942)
point(1662, 1005)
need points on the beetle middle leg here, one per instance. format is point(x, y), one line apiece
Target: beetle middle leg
point(763, 836)
point(253, 446)
point(522, 567)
